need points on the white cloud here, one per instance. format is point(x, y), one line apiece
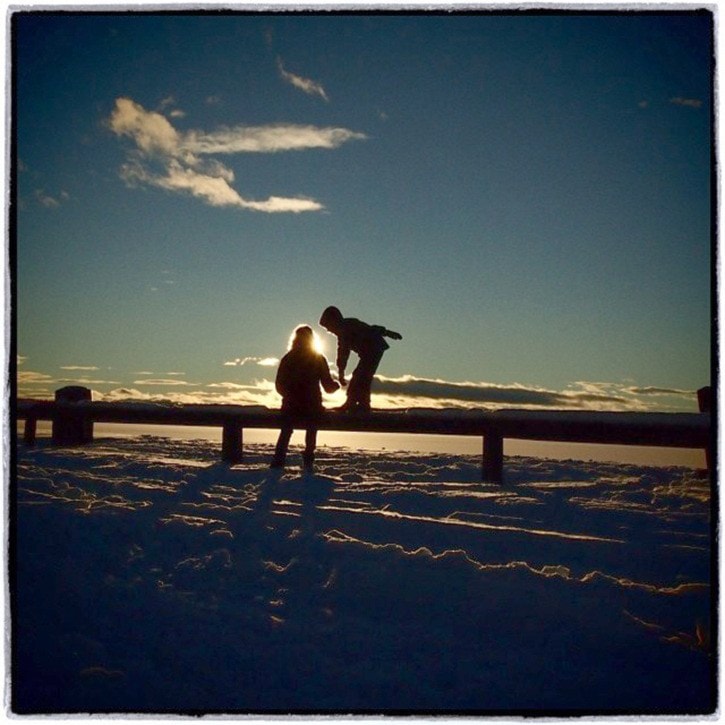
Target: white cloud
point(264, 361)
point(86, 381)
point(166, 158)
point(687, 102)
point(79, 367)
point(29, 377)
point(213, 189)
point(310, 87)
point(161, 382)
point(268, 139)
point(151, 131)
point(411, 391)
point(50, 202)
point(260, 393)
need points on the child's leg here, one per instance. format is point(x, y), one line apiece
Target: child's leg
point(362, 379)
point(280, 451)
point(308, 457)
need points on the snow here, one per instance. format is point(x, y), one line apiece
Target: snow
point(151, 578)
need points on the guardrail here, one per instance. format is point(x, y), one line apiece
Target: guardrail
point(73, 425)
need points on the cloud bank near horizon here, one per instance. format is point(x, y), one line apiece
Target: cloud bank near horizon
point(407, 391)
point(177, 161)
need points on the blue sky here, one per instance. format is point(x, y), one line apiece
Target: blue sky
point(525, 197)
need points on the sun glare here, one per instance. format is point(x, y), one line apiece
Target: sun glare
point(317, 344)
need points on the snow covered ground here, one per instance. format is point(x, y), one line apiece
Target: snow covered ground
point(149, 577)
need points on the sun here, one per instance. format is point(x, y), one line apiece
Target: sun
point(317, 344)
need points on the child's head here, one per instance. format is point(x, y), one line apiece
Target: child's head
point(303, 336)
point(331, 319)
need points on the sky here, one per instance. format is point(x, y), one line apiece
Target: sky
point(526, 198)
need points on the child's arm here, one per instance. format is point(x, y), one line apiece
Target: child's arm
point(328, 384)
point(387, 333)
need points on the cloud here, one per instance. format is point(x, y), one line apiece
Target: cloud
point(259, 393)
point(29, 377)
point(34, 384)
point(687, 102)
point(86, 381)
point(214, 190)
point(151, 131)
point(169, 159)
point(310, 87)
point(663, 391)
point(79, 367)
point(411, 391)
point(268, 139)
point(264, 361)
point(162, 382)
point(466, 394)
point(50, 202)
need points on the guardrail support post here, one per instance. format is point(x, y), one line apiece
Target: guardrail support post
point(493, 458)
point(71, 427)
point(31, 425)
point(704, 403)
point(232, 442)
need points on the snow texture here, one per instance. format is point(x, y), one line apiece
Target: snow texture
point(148, 577)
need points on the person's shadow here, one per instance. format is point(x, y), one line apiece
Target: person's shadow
point(305, 570)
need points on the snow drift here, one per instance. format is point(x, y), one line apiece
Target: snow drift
point(148, 577)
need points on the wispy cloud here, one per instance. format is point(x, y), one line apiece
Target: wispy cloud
point(310, 87)
point(34, 384)
point(407, 391)
point(411, 391)
point(162, 382)
point(264, 361)
point(260, 393)
point(30, 377)
point(79, 367)
point(48, 201)
point(662, 392)
point(441, 393)
point(181, 156)
point(687, 102)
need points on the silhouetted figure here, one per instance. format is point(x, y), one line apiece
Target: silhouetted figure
point(299, 376)
point(365, 340)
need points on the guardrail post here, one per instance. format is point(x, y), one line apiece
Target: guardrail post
point(232, 442)
point(31, 426)
point(704, 403)
point(492, 458)
point(71, 427)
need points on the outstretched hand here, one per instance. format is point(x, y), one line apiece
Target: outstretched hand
point(394, 335)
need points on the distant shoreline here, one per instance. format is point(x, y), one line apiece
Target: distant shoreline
point(456, 445)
